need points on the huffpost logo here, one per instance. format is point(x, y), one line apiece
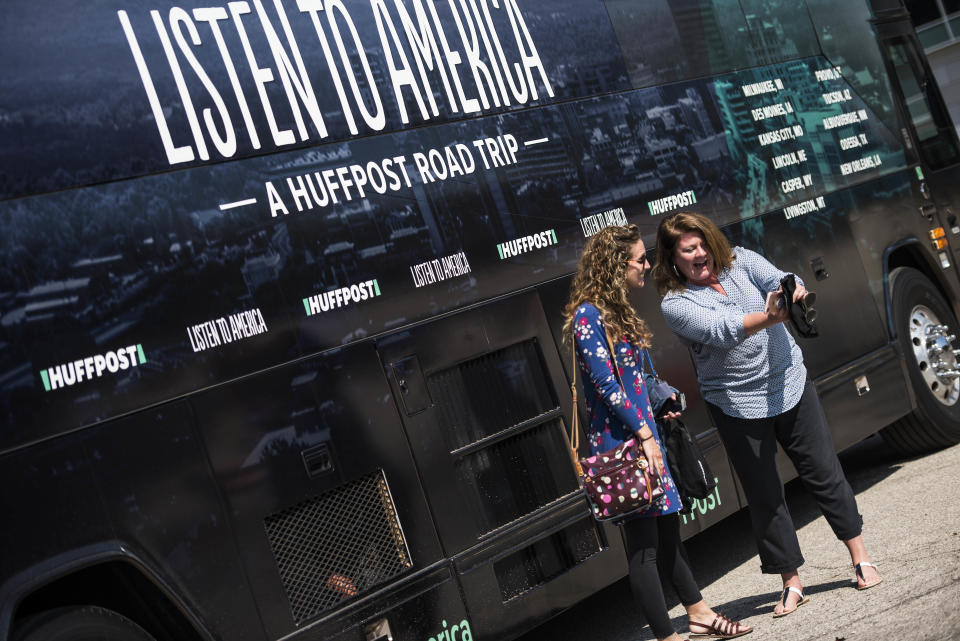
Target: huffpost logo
point(526, 244)
point(91, 367)
point(671, 202)
point(341, 297)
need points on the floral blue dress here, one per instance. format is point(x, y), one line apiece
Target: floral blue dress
point(616, 414)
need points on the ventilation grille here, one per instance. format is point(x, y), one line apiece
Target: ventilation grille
point(488, 394)
point(547, 559)
point(517, 475)
point(335, 546)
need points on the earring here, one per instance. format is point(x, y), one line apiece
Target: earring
point(676, 271)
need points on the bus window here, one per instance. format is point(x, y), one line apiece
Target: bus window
point(848, 40)
point(681, 39)
point(927, 116)
point(923, 11)
point(690, 38)
point(779, 30)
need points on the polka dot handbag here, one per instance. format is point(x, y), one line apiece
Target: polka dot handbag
point(620, 482)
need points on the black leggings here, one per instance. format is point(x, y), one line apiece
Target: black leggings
point(657, 557)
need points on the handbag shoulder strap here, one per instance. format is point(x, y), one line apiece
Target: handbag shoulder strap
point(653, 370)
point(574, 439)
point(613, 357)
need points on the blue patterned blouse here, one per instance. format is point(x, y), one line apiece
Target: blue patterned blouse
point(616, 414)
point(756, 376)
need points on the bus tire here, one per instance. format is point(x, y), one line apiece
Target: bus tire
point(80, 623)
point(925, 324)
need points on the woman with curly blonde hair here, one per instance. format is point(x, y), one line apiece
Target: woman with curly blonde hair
point(599, 313)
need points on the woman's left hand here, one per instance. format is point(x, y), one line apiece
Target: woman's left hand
point(799, 293)
point(652, 451)
point(673, 415)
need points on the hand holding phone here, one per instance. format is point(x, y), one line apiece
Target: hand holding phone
point(673, 406)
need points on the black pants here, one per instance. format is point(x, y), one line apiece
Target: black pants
point(804, 435)
point(657, 557)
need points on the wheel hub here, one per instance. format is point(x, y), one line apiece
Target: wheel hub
point(938, 361)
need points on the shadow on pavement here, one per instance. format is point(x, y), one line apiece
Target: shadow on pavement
point(763, 604)
point(614, 611)
point(865, 464)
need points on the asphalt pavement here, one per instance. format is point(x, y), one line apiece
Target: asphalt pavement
point(911, 511)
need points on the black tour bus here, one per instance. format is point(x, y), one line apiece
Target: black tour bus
point(280, 351)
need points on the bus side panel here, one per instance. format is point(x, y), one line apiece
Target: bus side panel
point(50, 507)
point(866, 397)
point(489, 442)
point(319, 483)
point(141, 487)
point(821, 248)
point(423, 609)
point(888, 212)
point(94, 104)
point(156, 481)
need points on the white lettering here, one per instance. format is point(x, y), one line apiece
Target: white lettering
point(762, 87)
point(91, 367)
point(669, 203)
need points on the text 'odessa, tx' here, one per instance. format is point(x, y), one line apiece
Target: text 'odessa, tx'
point(91, 367)
point(219, 331)
point(341, 297)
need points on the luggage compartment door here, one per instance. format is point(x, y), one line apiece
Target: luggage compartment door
point(484, 401)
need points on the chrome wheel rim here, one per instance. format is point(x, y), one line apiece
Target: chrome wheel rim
point(936, 358)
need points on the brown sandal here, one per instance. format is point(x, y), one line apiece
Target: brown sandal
point(721, 628)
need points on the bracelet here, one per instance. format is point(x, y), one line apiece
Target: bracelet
point(642, 439)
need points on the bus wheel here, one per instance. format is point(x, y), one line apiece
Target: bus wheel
point(83, 623)
point(926, 329)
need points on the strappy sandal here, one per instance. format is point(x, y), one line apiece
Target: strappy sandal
point(858, 567)
point(721, 628)
point(786, 591)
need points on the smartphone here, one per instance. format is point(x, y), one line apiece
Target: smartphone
point(671, 405)
point(774, 303)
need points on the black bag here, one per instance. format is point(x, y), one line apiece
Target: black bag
point(688, 466)
point(802, 314)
